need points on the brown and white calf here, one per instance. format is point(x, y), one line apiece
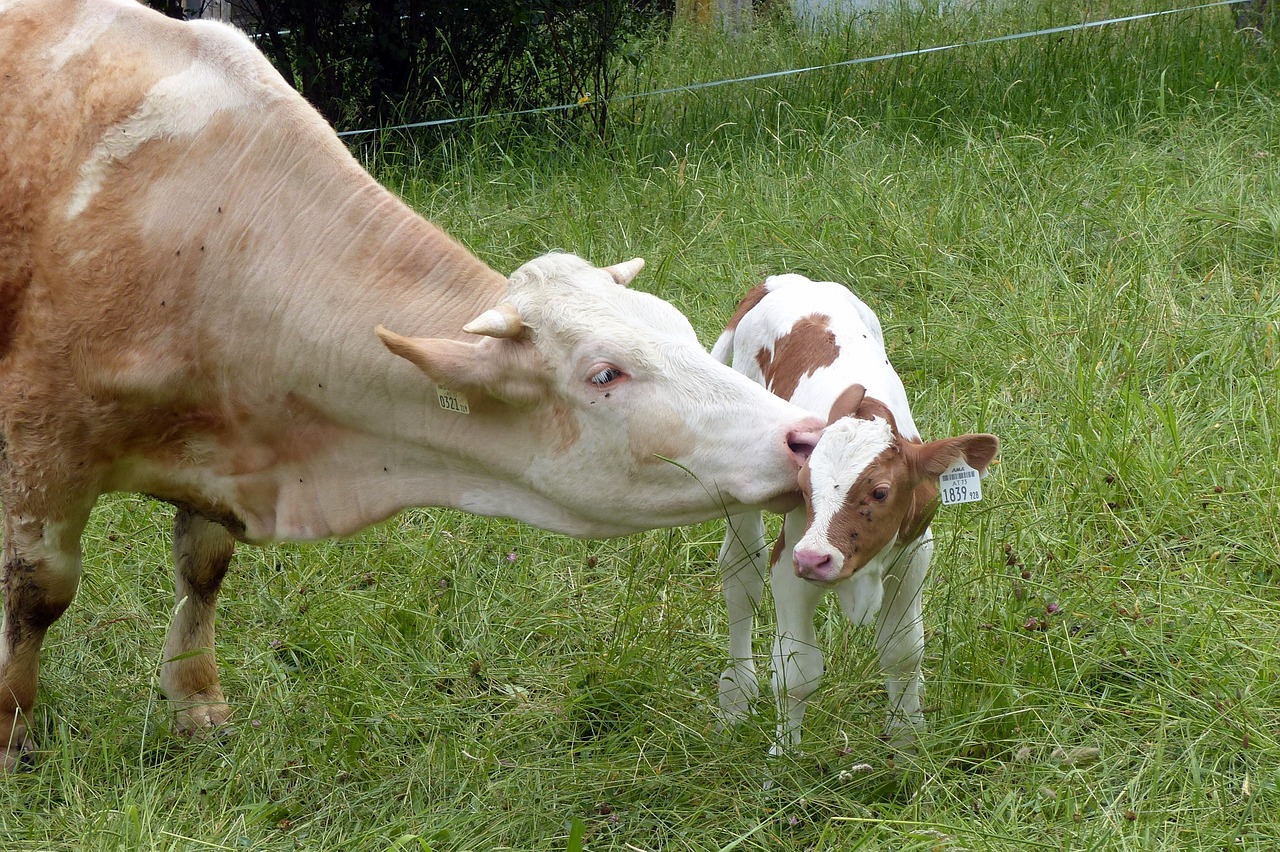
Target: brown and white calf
point(870, 489)
point(194, 276)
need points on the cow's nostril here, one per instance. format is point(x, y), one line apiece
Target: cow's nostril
point(801, 443)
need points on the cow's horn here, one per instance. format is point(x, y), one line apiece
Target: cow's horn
point(624, 273)
point(502, 321)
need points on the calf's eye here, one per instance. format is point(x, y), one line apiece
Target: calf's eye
point(880, 494)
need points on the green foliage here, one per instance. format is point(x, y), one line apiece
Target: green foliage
point(1071, 243)
point(361, 62)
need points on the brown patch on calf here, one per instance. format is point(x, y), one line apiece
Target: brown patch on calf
point(779, 544)
point(807, 348)
point(863, 525)
point(924, 505)
point(749, 301)
point(910, 470)
point(870, 408)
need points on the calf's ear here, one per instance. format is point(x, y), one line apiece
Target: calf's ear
point(978, 450)
point(504, 368)
point(846, 403)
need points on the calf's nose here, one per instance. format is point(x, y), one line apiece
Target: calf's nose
point(813, 565)
point(802, 438)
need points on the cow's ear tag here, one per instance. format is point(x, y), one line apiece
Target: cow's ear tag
point(959, 484)
point(451, 400)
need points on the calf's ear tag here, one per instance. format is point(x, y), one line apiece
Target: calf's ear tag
point(959, 484)
point(451, 400)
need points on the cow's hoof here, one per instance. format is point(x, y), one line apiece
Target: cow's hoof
point(200, 721)
point(20, 754)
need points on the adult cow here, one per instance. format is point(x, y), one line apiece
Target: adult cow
point(192, 269)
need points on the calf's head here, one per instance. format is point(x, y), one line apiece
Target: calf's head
point(618, 418)
point(865, 487)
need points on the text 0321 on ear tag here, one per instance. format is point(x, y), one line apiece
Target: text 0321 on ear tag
point(959, 484)
point(451, 400)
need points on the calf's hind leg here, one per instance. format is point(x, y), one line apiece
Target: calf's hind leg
point(189, 676)
point(41, 573)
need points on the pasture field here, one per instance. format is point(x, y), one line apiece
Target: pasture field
point(1073, 242)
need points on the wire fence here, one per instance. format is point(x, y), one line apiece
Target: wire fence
point(770, 75)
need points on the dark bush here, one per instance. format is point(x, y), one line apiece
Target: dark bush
point(381, 62)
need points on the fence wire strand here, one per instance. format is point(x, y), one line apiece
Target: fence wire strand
point(770, 75)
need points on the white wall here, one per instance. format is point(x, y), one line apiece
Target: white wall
point(820, 12)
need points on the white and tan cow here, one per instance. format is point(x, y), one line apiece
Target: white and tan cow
point(196, 282)
point(869, 488)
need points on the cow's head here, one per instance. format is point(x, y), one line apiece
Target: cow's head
point(865, 487)
point(617, 414)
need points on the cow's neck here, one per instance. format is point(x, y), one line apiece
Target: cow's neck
point(317, 429)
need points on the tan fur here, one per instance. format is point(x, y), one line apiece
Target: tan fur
point(114, 328)
point(909, 470)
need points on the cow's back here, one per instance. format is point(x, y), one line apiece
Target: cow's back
point(98, 97)
point(68, 77)
point(152, 174)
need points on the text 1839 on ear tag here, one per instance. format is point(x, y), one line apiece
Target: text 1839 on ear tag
point(451, 400)
point(959, 484)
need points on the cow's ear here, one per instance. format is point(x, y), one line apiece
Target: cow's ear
point(935, 457)
point(624, 273)
point(499, 367)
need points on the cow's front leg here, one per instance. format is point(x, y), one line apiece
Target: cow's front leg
point(189, 676)
point(742, 565)
point(900, 639)
point(41, 573)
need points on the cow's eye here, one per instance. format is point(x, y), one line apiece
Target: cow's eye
point(880, 494)
point(606, 376)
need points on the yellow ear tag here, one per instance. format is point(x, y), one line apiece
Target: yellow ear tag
point(451, 400)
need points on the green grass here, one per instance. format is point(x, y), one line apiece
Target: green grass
point(1072, 243)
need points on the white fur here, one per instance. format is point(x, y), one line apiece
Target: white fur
point(888, 587)
point(673, 389)
point(93, 20)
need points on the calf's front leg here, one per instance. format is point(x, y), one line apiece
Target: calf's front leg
point(798, 665)
point(900, 638)
point(189, 676)
point(742, 565)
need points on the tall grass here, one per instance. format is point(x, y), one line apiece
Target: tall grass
point(1072, 242)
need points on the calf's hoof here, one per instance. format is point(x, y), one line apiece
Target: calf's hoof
point(736, 696)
